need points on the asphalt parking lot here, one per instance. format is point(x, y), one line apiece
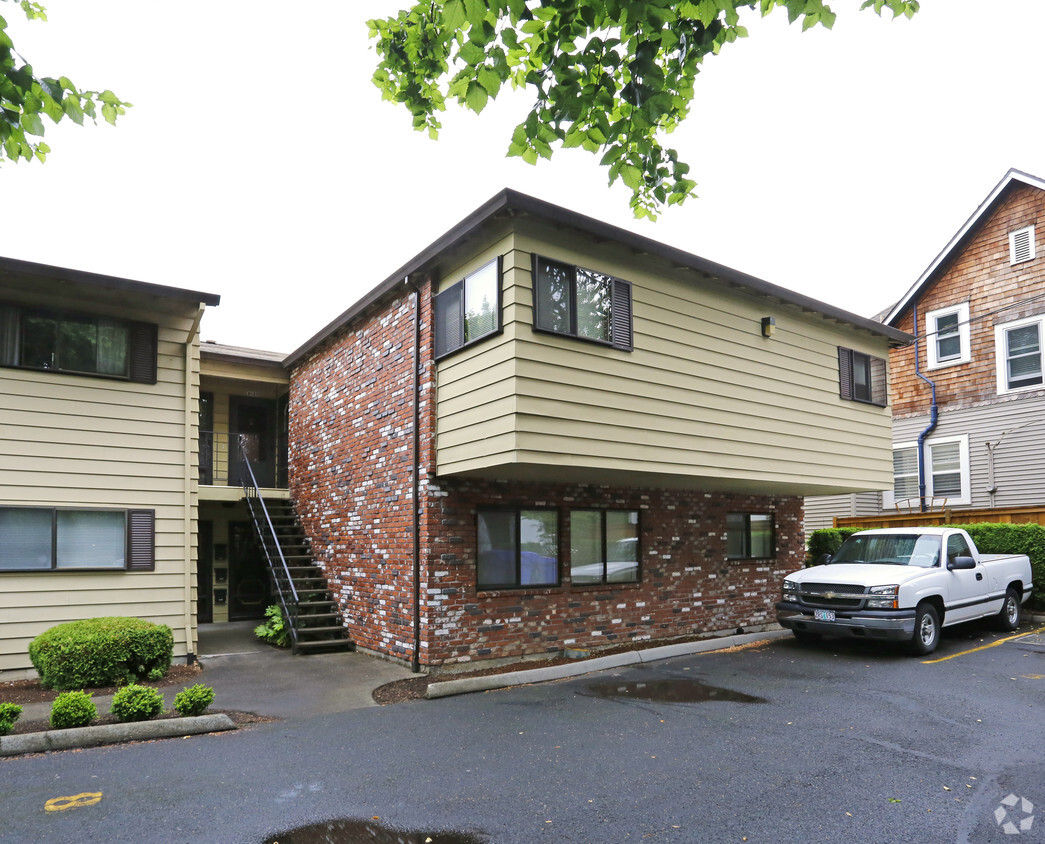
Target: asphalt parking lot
point(771, 742)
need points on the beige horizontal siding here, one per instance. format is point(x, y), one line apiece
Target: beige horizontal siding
point(78, 441)
point(702, 396)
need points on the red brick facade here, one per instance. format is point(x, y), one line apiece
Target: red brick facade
point(979, 273)
point(351, 462)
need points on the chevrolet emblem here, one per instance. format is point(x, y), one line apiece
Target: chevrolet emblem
point(829, 595)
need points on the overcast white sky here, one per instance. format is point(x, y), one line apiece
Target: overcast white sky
point(259, 162)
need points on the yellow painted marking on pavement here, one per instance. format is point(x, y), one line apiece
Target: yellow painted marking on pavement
point(983, 647)
point(1033, 676)
point(77, 801)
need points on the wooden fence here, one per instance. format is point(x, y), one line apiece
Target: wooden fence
point(947, 516)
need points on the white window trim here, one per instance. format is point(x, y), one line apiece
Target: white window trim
point(965, 355)
point(1000, 367)
point(889, 499)
point(1013, 235)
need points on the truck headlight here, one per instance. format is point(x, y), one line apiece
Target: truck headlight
point(790, 591)
point(883, 597)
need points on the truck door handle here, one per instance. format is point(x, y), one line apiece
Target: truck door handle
point(979, 576)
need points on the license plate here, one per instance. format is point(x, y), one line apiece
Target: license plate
point(824, 615)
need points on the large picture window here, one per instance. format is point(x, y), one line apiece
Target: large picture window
point(1018, 354)
point(581, 303)
point(862, 377)
point(77, 343)
point(604, 546)
point(518, 548)
point(468, 310)
point(52, 538)
point(749, 536)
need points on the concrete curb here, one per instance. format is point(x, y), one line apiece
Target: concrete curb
point(467, 685)
point(113, 734)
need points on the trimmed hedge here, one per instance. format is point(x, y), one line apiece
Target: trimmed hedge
point(9, 715)
point(72, 709)
point(101, 652)
point(194, 700)
point(990, 538)
point(136, 703)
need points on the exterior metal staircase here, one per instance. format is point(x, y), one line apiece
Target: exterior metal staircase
point(309, 610)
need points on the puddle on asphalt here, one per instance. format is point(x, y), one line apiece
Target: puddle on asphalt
point(353, 831)
point(681, 690)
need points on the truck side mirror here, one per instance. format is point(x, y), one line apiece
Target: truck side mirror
point(961, 563)
point(825, 559)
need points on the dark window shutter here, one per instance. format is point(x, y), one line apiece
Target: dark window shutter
point(845, 373)
point(621, 315)
point(143, 352)
point(449, 320)
point(879, 383)
point(141, 540)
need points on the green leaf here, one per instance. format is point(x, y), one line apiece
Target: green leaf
point(33, 124)
point(477, 96)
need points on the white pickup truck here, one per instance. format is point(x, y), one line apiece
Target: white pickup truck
point(904, 584)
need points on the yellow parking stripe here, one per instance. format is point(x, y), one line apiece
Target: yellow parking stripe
point(983, 647)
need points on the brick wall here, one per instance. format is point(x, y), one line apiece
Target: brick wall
point(351, 416)
point(979, 274)
point(687, 585)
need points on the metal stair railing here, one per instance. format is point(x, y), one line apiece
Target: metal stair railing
point(277, 563)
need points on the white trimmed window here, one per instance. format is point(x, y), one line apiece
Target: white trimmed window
point(946, 472)
point(947, 336)
point(1017, 353)
point(1021, 245)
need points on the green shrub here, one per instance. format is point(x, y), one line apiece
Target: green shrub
point(826, 541)
point(9, 715)
point(194, 700)
point(136, 703)
point(101, 652)
point(72, 709)
point(274, 630)
point(1029, 539)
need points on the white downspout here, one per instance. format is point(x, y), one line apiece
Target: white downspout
point(189, 410)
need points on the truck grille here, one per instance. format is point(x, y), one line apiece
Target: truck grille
point(844, 596)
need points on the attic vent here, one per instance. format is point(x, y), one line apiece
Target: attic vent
point(1021, 245)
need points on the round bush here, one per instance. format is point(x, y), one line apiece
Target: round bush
point(101, 652)
point(194, 700)
point(136, 703)
point(72, 709)
point(9, 714)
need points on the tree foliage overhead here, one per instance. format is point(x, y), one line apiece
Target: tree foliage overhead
point(25, 99)
point(610, 76)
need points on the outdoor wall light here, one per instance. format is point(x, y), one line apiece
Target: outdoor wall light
point(768, 326)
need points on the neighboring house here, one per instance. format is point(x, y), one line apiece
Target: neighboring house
point(99, 380)
point(979, 313)
point(608, 439)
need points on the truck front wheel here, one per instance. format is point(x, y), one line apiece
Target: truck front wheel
point(926, 630)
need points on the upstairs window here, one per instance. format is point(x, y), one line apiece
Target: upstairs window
point(862, 378)
point(947, 336)
point(581, 303)
point(469, 310)
point(1021, 245)
point(1017, 350)
point(81, 344)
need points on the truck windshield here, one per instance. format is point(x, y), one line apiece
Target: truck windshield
point(890, 549)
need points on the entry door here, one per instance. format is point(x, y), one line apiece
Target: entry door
point(256, 420)
point(205, 572)
point(248, 574)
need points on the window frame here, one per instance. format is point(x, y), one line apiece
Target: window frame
point(141, 353)
point(603, 511)
point(964, 498)
point(932, 336)
point(747, 543)
point(889, 498)
point(1022, 249)
point(139, 540)
point(517, 582)
point(877, 393)
point(1001, 354)
point(621, 319)
point(455, 297)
